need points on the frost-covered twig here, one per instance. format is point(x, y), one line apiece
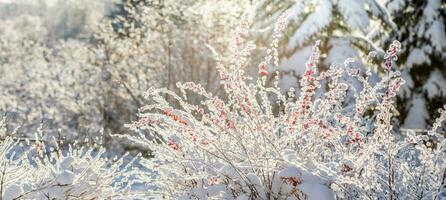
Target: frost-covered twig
point(236, 147)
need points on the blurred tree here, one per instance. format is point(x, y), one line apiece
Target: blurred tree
point(165, 41)
point(353, 28)
point(81, 74)
point(328, 19)
point(345, 28)
point(422, 32)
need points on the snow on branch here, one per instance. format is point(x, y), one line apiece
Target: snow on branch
point(316, 147)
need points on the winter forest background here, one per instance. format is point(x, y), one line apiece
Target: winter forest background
point(193, 99)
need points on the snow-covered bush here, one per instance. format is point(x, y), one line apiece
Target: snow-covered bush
point(352, 28)
point(81, 67)
point(53, 19)
point(54, 84)
point(158, 43)
point(45, 170)
point(317, 146)
point(346, 29)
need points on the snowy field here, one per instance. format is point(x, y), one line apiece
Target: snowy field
point(235, 99)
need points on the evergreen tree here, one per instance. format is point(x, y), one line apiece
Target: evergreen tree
point(345, 28)
point(421, 31)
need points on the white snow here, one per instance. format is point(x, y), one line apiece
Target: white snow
point(297, 61)
point(12, 192)
point(417, 57)
point(442, 193)
point(430, 12)
point(406, 88)
point(435, 85)
point(65, 178)
point(395, 6)
point(53, 193)
point(287, 82)
point(254, 179)
point(340, 51)
point(294, 66)
point(312, 186)
point(316, 191)
point(67, 163)
point(417, 115)
point(436, 34)
point(315, 22)
point(354, 13)
point(297, 8)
